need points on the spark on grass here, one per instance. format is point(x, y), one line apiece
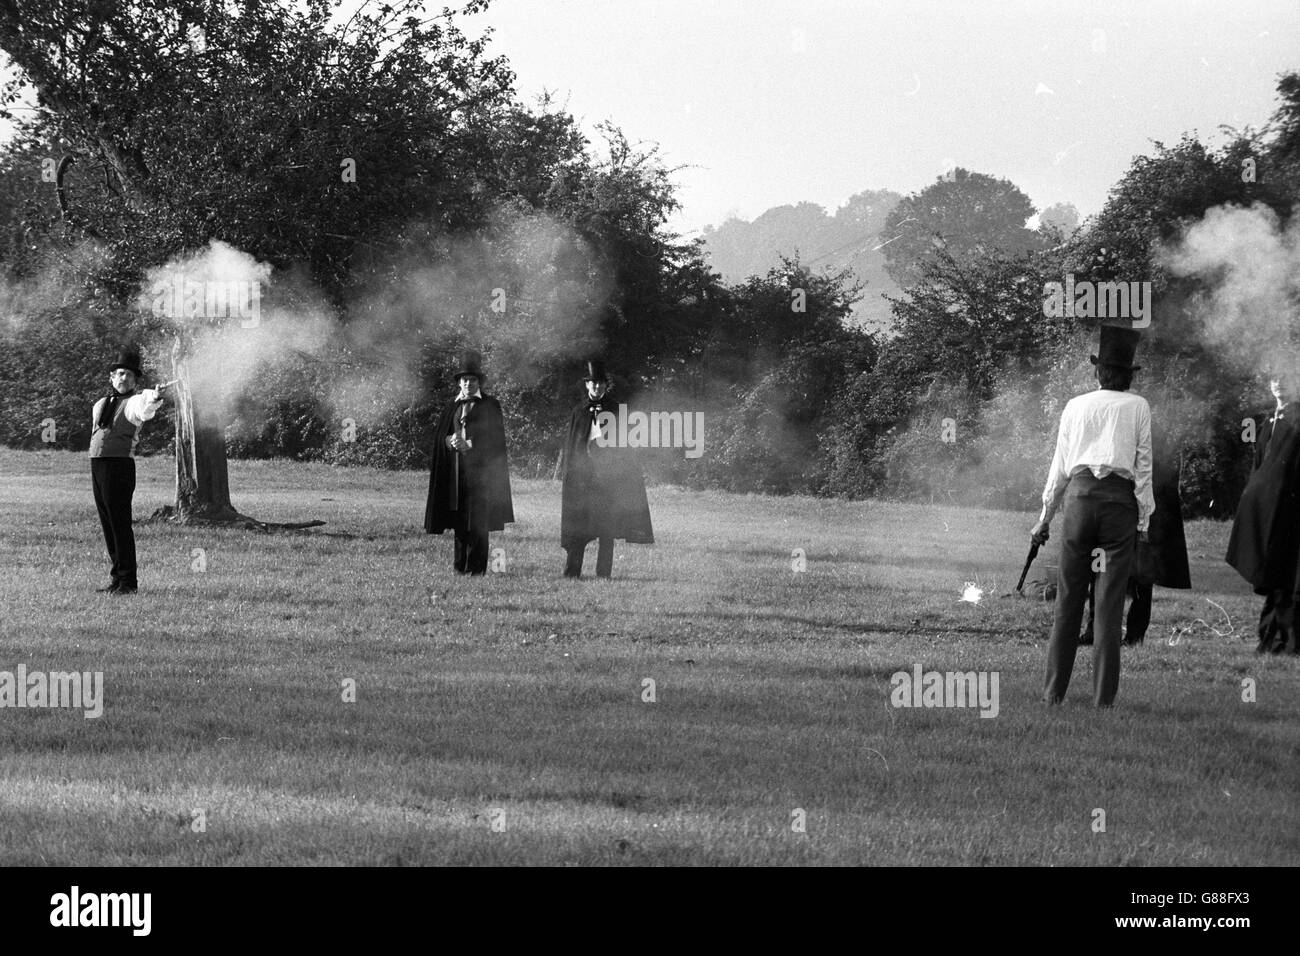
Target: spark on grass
point(973, 593)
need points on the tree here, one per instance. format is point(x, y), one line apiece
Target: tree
point(966, 331)
point(1058, 222)
point(191, 121)
point(848, 239)
point(770, 369)
point(964, 214)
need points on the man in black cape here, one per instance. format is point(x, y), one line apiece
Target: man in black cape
point(604, 492)
point(1265, 542)
point(1162, 558)
point(469, 481)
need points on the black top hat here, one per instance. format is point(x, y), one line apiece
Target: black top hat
point(1117, 347)
point(129, 359)
point(595, 371)
point(471, 363)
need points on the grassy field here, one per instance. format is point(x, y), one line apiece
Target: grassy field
point(501, 720)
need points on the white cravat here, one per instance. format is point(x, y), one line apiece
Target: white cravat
point(464, 411)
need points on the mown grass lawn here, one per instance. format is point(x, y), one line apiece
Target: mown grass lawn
point(501, 720)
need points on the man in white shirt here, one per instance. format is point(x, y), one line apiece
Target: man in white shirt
point(114, 426)
point(1101, 472)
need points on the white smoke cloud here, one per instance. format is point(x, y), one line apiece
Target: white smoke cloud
point(229, 316)
point(1250, 267)
point(526, 289)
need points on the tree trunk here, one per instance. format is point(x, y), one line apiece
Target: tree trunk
point(202, 477)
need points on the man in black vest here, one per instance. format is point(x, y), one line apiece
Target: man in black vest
point(603, 497)
point(1101, 470)
point(469, 480)
point(114, 427)
point(1265, 543)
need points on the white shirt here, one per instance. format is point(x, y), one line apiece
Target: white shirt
point(139, 408)
point(1105, 432)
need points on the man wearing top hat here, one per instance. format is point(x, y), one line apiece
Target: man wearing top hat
point(469, 480)
point(1265, 543)
point(114, 427)
point(1101, 473)
point(603, 497)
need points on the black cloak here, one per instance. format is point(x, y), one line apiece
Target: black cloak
point(476, 483)
point(604, 490)
point(1265, 541)
point(1163, 559)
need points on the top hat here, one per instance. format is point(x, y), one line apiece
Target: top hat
point(595, 371)
point(129, 359)
point(470, 363)
point(1117, 347)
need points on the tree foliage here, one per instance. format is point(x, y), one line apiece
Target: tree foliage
point(963, 214)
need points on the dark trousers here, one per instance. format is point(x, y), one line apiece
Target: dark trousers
point(1099, 513)
point(1277, 624)
point(604, 559)
point(1139, 612)
point(114, 482)
point(471, 549)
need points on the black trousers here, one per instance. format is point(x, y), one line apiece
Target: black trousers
point(114, 482)
point(1099, 513)
point(604, 559)
point(1277, 633)
point(471, 549)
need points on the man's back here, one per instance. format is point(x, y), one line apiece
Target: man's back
point(1104, 427)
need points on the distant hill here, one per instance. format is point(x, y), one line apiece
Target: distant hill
point(848, 239)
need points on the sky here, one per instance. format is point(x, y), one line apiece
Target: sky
point(770, 102)
point(767, 102)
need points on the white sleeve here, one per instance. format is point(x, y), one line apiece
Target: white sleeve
point(143, 406)
point(1057, 477)
point(1142, 468)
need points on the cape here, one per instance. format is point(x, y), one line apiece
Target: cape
point(476, 483)
point(1265, 541)
point(604, 491)
point(1163, 560)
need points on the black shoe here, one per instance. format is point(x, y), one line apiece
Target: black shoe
point(109, 589)
point(121, 590)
